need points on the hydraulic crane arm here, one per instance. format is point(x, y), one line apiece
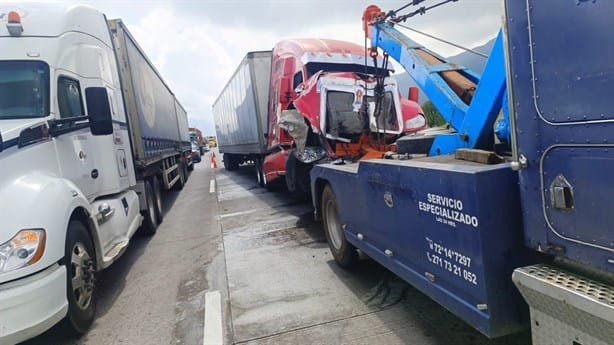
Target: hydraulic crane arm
point(470, 103)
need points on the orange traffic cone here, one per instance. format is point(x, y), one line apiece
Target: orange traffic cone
point(213, 162)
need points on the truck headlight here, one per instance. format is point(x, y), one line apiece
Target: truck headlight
point(418, 121)
point(22, 250)
point(312, 154)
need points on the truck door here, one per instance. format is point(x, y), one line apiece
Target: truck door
point(77, 163)
point(564, 119)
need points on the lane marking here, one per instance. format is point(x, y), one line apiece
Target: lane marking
point(213, 329)
point(212, 186)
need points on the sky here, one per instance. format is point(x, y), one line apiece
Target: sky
point(196, 45)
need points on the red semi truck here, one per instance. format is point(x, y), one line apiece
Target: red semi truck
point(310, 101)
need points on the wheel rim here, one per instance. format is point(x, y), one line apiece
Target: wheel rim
point(82, 275)
point(333, 226)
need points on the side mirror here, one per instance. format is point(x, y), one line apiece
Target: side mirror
point(413, 94)
point(284, 90)
point(99, 110)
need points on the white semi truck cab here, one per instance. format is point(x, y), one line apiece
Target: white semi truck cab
point(72, 191)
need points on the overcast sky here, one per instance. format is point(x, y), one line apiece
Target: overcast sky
point(197, 44)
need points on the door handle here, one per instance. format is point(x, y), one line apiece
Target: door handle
point(561, 194)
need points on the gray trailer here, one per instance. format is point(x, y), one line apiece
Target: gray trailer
point(240, 111)
point(158, 123)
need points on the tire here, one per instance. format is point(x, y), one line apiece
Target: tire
point(297, 177)
point(181, 170)
point(191, 166)
point(79, 258)
point(259, 172)
point(345, 253)
point(157, 192)
point(229, 162)
point(150, 223)
point(186, 172)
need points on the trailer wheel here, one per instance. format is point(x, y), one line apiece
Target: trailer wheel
point(259, 172)
point(228, 162)
point(150, 223)
point(345, 253)
point(157, 191)
point(182, 173)
point(186, 172)
point(80, 278)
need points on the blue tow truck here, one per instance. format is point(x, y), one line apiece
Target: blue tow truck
point(507, 219)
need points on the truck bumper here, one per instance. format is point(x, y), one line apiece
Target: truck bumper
point(566, 308)
point(31, 305)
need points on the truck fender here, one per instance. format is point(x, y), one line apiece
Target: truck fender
point(41, 201)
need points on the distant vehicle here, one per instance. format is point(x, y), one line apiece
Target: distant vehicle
point(307, 102)
point(212, 141)
point(196, 137)
point(89, 136)
point(196, 157)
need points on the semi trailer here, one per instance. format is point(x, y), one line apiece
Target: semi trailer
point(90, 134)
point(504, 223)
point(301, 103)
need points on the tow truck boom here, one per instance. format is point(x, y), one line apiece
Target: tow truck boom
point(469, 102)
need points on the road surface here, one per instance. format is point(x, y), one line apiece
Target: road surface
point(258, 266)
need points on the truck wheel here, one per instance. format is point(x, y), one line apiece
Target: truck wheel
point(345, 253)
point(186, 172)
point(157, 190)
point(259, 172)
point(228, 162)
point(181, 171)
point(150, 223)
point(297, 177)
point(79, 258)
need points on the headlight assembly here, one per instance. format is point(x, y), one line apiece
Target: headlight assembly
point(312, 154)
point(24, 249)
point(416, 122)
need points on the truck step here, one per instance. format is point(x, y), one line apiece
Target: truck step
point(566, 308)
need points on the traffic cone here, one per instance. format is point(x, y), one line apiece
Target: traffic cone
point(213, 162)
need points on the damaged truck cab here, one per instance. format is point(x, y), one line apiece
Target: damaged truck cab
point(322, 108)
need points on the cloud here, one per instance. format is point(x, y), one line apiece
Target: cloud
point(196, 45)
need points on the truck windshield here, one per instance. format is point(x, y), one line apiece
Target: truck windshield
point(343, 121)
point(24, 89)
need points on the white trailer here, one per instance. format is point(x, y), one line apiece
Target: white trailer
point(89, 135)
point(240, 111)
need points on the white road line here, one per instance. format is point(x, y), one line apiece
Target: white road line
point(214, 331)
point(212, 186)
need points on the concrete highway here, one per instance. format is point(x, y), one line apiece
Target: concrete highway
point(258, 267)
